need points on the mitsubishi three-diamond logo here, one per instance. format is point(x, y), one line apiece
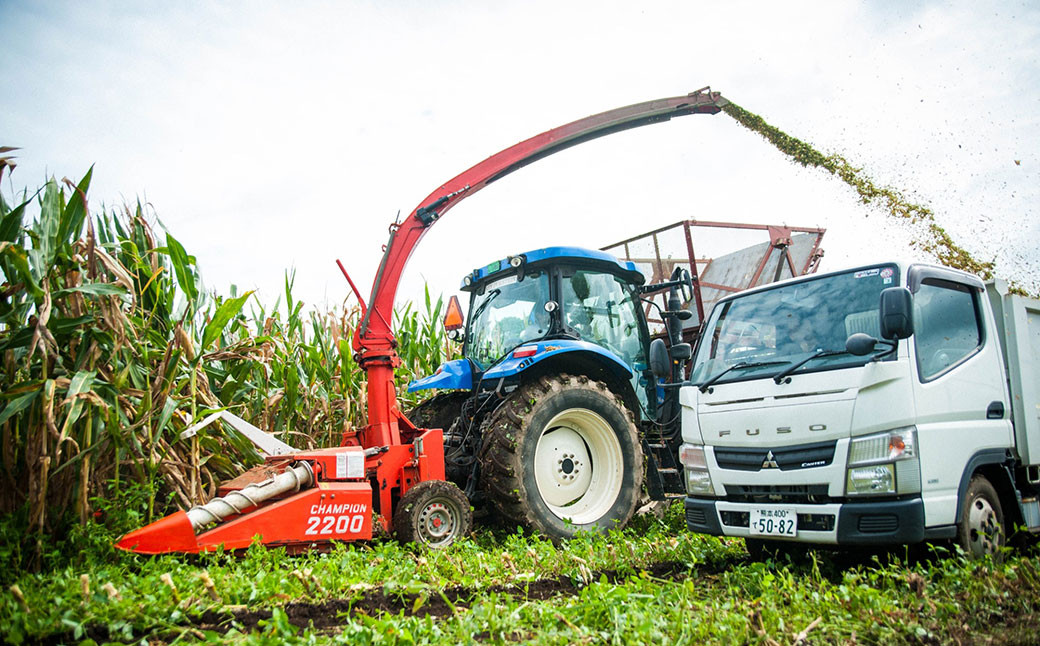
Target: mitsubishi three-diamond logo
point(770, 462)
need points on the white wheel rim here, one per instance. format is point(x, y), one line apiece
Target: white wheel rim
point(983, 528)
point(578, 466)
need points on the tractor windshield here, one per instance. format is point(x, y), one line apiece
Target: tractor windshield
point(762, 333)
point(508, 313)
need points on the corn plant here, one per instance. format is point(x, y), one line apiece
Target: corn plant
point(110, 347)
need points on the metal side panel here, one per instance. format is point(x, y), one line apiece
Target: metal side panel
point(1019, 320)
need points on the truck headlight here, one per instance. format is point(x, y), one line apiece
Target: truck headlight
point(884, 463)
point(695, 466)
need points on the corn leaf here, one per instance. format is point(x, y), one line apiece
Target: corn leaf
point(227, 311)
point(17, 405)
point(185, 277)
point(71, 224)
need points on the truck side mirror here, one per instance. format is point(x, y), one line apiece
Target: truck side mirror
point(860, 344)
point(896, 312)
point(681, 351)
point(660, 362)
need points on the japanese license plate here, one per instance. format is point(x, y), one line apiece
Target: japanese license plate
point(774, 521)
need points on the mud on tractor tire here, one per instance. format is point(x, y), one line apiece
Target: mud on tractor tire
point(562, 455)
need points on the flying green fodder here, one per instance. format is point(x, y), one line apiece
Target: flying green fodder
point(110, 347)
point(928, 235)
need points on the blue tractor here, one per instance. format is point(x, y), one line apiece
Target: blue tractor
point(563, 414)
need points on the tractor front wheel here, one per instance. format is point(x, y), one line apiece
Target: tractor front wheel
point(434, 513)
point(562, 455)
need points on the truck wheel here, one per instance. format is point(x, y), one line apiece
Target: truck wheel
point(562, 455)
point(434, 513)
point(981, 528)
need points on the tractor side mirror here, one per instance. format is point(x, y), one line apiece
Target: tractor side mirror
point(454, 323)
point(660, 362)
point(682, 275)
point(896, 312)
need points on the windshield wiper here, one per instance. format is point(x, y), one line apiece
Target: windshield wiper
point(743, 364)
point(819, 354)
point(483, 306)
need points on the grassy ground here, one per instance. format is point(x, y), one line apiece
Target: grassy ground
point(652, 582)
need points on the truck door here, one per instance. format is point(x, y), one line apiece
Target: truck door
point(959, 384)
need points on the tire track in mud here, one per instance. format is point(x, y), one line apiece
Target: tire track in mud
point(329, 614)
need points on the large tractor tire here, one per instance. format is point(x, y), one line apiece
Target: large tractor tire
point(562, 455)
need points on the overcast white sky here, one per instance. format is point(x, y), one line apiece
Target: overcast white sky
point(272, 135)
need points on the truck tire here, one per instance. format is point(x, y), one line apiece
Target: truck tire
point(562, 455)
point(434, 513)
point(981, 530)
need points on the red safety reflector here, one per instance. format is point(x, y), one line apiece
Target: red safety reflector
point(526, 351)
point(453, 317)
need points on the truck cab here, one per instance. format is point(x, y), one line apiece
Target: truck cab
point(867, 406)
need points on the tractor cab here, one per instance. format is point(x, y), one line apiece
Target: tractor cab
point(559, 304)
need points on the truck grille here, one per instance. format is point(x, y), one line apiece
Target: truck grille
point(787, 458)
point(696, 517)
point(814, 493)
point(878, 523)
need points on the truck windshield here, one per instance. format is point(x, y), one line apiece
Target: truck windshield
point(769, 329)
point(508, 313)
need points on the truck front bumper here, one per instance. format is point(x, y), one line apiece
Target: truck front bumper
point(853, 523)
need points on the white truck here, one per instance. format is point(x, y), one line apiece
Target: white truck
point(887, 404)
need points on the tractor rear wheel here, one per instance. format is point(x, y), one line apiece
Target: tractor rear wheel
point(434, 513)
point(562, 455)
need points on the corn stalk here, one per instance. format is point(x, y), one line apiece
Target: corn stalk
point(110, 347)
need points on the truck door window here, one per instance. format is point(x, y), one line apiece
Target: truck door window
point(946, 326)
